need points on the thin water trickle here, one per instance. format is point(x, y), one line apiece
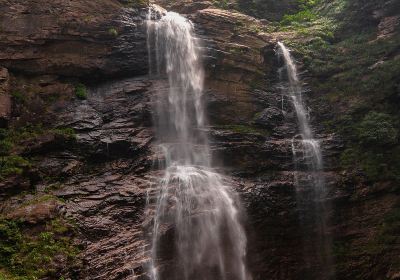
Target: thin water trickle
point(311, 192)
point(194, 203)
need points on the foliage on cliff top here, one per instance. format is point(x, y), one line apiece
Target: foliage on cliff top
point(270, 9)
point(356, 73)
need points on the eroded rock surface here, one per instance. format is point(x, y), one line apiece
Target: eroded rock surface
point(102, 175)
point(72, 38)
point(5, 98)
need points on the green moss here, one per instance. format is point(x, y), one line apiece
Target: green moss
point(18, 96)
point(221, 4)
point(17, 135)
point(10, 139)
point(300, 17)
point(39, 199)
point(80, 91)
point(113, 32)
point(5, 147)
point(136, 3)
point(377, 164)
point(23, 256)
point(371, 252)
point(12, 165)
point(65, 132)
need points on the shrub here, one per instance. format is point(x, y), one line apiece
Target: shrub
point(377, 129)
point(80, 91)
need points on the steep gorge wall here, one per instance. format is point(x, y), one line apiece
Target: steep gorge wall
point(99, 176)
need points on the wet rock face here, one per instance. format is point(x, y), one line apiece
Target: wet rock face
point(104, 181)
point(114, 122)
point(235, 63)
point(72, 38)
point(108, 207)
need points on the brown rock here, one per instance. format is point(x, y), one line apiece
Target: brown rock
point(5, 99)
point(185, 6)
point(36, 212)
point(235, 62)
point(71, 38)
point(387, 26)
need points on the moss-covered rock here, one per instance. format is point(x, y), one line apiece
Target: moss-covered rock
point(28, 256)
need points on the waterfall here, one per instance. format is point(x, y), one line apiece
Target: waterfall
point(311, 191)
point(196, 211)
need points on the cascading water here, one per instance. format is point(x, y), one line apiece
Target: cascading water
point(193, 201)
point(311, 191)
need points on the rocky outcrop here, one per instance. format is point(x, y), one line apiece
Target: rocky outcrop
point(185, 6)
point(104, 187)
point(114, 121)
point(108, 209)
point(72, 38)
point(100, 177)
point(235, 62)
point(387, 26)
point(5, 98)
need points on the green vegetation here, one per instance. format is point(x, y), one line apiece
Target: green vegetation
point(80, 91)
point(27, 257)
point(357, 74)
point(11, 139)
point(221, 4)
point(113, 32)
point(377, 129)
point(65, 132)
point(39, 198)
point(306, 13)
point(300, 17)
point(267, 9)
point(18, 96)
point(11, 165)
point(136, 3)
point(371, 252)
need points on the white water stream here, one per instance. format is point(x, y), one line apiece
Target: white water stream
point(311, 192)
point(193, 201)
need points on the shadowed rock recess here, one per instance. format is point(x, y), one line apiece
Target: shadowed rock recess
point(78, 153)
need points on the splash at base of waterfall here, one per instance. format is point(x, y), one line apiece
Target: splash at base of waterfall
point(201, 209)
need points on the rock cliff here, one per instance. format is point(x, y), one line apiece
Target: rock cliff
point(77, 139)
